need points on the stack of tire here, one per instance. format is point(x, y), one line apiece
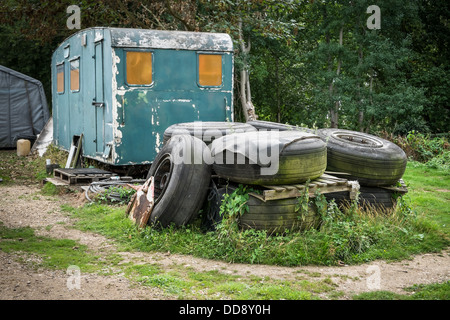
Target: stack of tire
point(300, 156)
point(374, 162)
point(195, 152)
point(181, 187)
point(303, 159)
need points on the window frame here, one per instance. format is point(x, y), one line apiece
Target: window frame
point(126, 68)
point(61, 65)
point(79, 74)
point(199, 53)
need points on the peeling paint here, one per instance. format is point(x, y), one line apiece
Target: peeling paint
point(116, 106)
point(180, 40)
point(176, 100)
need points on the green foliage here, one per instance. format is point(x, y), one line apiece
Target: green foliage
point(428, 189)
point(434, 152)
point(394, 79)
point(115, 194)
point(233, 206)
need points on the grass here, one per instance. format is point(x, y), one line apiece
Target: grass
point(429, 191)
point(421, 224)
point(179, 281)
point(436, 291)
point(15, 169)
point(351, 237)
point(54, 253)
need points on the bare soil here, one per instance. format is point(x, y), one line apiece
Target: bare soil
point(24, 205)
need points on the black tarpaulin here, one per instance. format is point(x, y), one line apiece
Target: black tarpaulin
point(23, 107)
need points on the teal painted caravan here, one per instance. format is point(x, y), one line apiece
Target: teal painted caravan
point(121, 88)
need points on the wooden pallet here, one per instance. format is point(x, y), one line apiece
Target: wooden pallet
point(78, 176)
point(326, 183)
point(401, 188)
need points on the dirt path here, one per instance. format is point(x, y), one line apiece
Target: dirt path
point(22, 205)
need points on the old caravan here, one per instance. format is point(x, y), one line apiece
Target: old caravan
point(119, 89)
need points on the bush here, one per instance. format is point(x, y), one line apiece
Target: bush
point(423, 148)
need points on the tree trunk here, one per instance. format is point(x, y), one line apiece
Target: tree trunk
point(360, 102)
point(372, 75)
point(334, 111)
point(278, 92)
point(246, 96)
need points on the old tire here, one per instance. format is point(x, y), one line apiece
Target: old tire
point(273, 216)
point(371, 160)
point(206, 131)
point(369, 198)
point(278, 216)
point(268, 126)
point(211, 210)
point(297, 162)
point(181, 181)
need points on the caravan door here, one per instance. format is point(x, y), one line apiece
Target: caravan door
point(99, 100)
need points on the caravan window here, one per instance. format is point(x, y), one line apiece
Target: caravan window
point(60, 78)
point(139, 68)
point(210, 70)
point(75, 75)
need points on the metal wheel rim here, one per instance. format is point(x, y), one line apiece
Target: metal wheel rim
point(357, 139)
point(162, 176)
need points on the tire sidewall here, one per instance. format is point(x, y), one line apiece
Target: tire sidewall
point(187, 186)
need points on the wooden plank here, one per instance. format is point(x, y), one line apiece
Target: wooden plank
point(332, 178)
point(70, 157)
point(276, 188)
point(323, 183)
point(289, 188)
point(56, 182)
point(333, 173)
point(273, 195)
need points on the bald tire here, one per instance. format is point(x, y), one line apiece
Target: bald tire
point(371, 160)
point(261, 125)
point(298, 162)
point(207, 131)
point(180, 186)
point(369, 198)
point(277, 216)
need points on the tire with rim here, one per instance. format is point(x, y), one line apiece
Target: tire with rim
point(268, 126)
point(206, 131)
point(181, 181)
point(371, 160)
point(298, 161)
